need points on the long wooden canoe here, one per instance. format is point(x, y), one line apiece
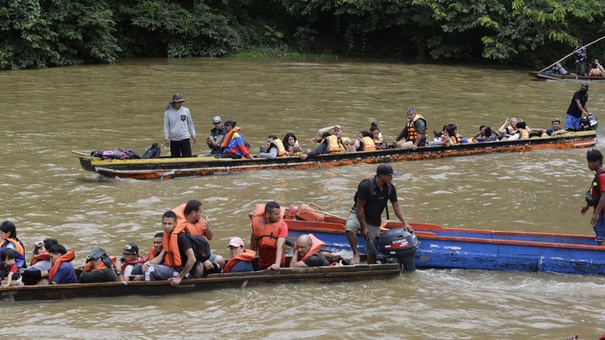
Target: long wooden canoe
point(461, 248)
point(564, 77)
point(345, 273)
point(165, 168)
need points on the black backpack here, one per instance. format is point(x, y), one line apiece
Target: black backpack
point(200, 246)
point(152, 152)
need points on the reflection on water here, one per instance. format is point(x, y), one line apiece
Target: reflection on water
point(48, 113)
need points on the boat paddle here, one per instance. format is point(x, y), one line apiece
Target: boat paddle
point(560, 60)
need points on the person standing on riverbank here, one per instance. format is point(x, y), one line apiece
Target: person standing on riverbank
point(577, 108)
point(595, 163)
point(178, 127)
point(371, 199)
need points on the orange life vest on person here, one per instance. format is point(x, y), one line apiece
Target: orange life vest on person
point(227, 138)
point(39, 257)
point(524, 134)
point(170, 243)
point(138, 260)
point(20, 258)
point(67, 257)
point(248, 256)
point(266, 234)
point(412, 133)
point(333, 145)
point(88, 267)
point(368, 144)
point(316, 246)
point(455, 140)
point(182, 224)
point(281, 150)
point(152, 254)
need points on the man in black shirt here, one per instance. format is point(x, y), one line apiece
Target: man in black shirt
point(370, 201)
point(577, 108)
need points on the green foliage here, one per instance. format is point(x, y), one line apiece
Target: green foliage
point(41, 33)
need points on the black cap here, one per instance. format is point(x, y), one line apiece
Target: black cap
point(130, 249)
point(584, 86)
point(230, 122)
point(385, 169)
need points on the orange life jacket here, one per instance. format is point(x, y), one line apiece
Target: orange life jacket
point(281, 150)
point(333, 145)
point(152, 254)
point(248, 256)
point(524, 134)
point(227, 138)
point(266, 234)
point(412, 133)
point(40, 257)
point(88, 267)
point(138, 260)
point(20, 258)
point(67, 257)
point(455, 140)
point(170, 243)
point(316, 246)
point(368, 144)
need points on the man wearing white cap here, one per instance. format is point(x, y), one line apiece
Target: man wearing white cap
point(178, 127)
point(241, 258)
point(370, 201)
point(217, 133)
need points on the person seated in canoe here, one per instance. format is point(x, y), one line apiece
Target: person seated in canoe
point(291, 145)
point(594, 71)
point(233, 143)
point(130, 265)
point(329, 145)
point(365, 142)
point(240, 259)
point(214, 140)
point(508, 128)
point(9, 270)
point(40, 264)
point(485, 135)
point(190, 220)
point(178, 256)
point(336, 131)
point(600, 67)
point(308, 252)
point(452, 133)
point(62, 271)
point(268, 236)
point(414, 133)
point(274, 148)
point(156, 248)
point(378, 138)
point(99, 268)
point(9, 239)
point(522, 132)
point(556, 129)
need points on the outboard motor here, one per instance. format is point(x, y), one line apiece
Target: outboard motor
point(589, 123)
point(398, 245)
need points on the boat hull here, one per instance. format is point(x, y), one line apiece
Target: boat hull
point(564, 77)
point(212, 282)
point(480, 249)
point(166, 168)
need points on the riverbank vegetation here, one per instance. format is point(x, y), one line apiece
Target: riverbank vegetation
point(532, 33)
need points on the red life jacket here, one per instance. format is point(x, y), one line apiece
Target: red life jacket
point(248, 256)
point(40, 257)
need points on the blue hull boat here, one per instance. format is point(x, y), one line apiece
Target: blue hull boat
point(477, 249)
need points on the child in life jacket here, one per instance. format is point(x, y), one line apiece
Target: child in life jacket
point(10, 272)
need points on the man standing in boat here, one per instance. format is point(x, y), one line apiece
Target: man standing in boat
point(577, 108)
point(580, 55)
point(414, 133)
point(595, 163)
point(178, 127)
point(371, 199)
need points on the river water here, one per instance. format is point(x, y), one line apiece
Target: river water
point(48, 113)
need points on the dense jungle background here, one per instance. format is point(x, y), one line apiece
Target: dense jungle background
point(534, 33)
